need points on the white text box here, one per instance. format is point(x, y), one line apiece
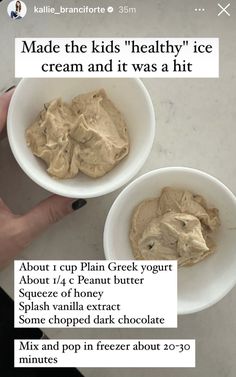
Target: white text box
point(110, 353)
point(95, 293)
point(117, 57)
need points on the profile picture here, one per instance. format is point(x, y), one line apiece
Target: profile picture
point(16, 10)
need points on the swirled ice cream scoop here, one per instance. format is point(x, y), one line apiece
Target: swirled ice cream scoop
point(88, 135)
point(177, 225)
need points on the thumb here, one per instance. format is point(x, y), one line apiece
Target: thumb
point(46, 213)
point(4, 104)
point(3, 208)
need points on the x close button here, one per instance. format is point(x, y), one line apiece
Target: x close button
point(223, 9)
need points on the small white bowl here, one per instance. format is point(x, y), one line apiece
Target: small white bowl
point(131, 98)
point(207, 282)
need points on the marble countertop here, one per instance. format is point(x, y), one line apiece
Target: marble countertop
point(195, 128)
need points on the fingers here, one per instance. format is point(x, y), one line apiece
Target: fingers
point(46, 213)
point(17, 232)
point(4, 104)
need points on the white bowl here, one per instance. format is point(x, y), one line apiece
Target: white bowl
point(205, 283)
point(131, 98)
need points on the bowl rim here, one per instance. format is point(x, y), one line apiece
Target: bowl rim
point(63, 190)
point(143, 177)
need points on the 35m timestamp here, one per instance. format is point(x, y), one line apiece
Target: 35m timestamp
point(125, 9)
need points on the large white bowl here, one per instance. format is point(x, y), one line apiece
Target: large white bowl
point(131, 98)
point(205, 283)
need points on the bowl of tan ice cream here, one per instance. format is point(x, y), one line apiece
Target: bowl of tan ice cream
point(81, 137)
point(178, 214)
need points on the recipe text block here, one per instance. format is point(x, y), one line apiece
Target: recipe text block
point(95, 293)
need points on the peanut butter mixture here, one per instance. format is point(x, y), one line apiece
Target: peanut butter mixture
point(87, 135)
point(177, 225)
